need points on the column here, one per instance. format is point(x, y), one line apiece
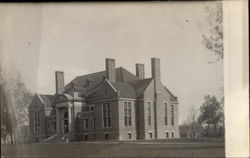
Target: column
point(57, 121)
point(69, 119)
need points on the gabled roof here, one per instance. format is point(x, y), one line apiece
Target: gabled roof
point(172, 98)
point(125, 89)
point(43, 100)
point(47, 99)
point(122, 75)
point(140, 85)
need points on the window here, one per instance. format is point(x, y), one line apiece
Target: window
point(92, 108)
point(37, 121)
point(106, 136)
point(172, 115)
point(127, 114)
point(166, 113)
point(172, 134)
point(86, 136)
point(167, 135)
point(150, 135)
point(149, 113)
point(106, 115)
point(54, 126)
point(86, 123)
point(129, 136)
point(93, 122)
point(80, 94)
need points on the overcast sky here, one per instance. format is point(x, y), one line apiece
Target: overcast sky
point(76, 38)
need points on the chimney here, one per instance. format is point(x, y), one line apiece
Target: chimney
point(110, 70)
point(156, 70)
point(59, 82)
point(139, 68)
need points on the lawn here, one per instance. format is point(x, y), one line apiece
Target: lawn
point(115, 149)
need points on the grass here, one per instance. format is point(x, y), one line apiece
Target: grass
point(140, 149)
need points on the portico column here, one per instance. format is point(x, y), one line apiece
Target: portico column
point(57, 121)
point(69, 118)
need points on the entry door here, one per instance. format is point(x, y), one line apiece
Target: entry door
point(65, 122)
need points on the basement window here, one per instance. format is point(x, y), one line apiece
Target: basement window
point(172, 134)
point(167, 135)
point(106, 136)
point(129, 136)
point(86, 137)
point(150, 135)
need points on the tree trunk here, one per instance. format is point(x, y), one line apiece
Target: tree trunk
point(215, 130)
point(208, 130)
point(193, 131)
point(11, 138)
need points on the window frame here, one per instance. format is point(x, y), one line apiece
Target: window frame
point(172, 115)
point(37, 123)
point(127, 112)
point(149, 111)
point(106, 115)
point(86, 123)
point(172, 134)
point(129, 135)
point(93, 123)
point(150, 135)
point(167, 134)
point(165, 107)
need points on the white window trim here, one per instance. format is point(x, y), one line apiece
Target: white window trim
point(131, 113)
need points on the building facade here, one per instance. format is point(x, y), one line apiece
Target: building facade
point(109, 105)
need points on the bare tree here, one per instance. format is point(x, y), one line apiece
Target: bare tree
point(15, 98)
point(193, 120)
point(213, 41)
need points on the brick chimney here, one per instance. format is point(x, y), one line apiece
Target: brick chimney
point(110, 69)
point(139, 69)
point(158, 108)
point(156, 69)
point(59, 82)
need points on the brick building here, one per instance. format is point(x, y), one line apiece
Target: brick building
point(107, 105)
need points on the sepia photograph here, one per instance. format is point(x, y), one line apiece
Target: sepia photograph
point(144, 79)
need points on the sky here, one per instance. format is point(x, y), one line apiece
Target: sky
point(38, 39)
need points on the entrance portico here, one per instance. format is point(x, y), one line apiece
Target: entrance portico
point(63, 115)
